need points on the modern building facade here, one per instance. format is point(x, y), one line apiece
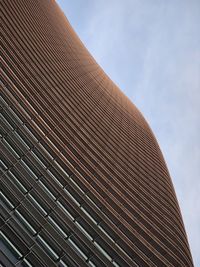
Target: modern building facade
point(83, 181)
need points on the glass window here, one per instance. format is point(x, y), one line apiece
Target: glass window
point(92, 201)
point(2, 100)
point(26, 166)
point(37, 204)
point(9, 118)
point(67, 262)
point(54, 178)
point(108, 230)
point(102, 251)
point(84, 231)
point(38, 129)
point(15, 144)
point(57, 227)
point(31, 135)
point(5, 126)
point(62, 264)
point(47, 248)
point(26, 137)
point(29, 217)
point(52, 144)
point(15, 116)
point(95, 262)
point(47, 190)
point(3, 166)
point(11, 149)
point(28, 226)
point(90, 214)
point(7, 202)
point(38, 159)
point(17, 135)
point(91, 264)
point(116, 264)
point(65, 210)
point(9, 248)
point(106, 233)
point(76, 185)
point(71, 196)
point(26, 263)
point(17, 182)
point(44, 151)
point(64, 172)
point(74, 245)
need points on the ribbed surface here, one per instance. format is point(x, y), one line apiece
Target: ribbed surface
point(83, 180)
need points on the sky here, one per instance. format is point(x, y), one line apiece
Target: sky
point(151, 50)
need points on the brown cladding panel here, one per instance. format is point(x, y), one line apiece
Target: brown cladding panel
point(82, 177)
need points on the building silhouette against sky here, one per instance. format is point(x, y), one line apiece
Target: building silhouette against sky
point(83, 181)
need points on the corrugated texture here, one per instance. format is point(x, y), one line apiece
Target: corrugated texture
point(83, 180)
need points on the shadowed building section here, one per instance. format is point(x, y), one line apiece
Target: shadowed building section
point(83, 181)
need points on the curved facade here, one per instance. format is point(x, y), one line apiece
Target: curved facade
point(83, 180)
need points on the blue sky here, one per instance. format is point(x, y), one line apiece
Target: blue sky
point(151, 50)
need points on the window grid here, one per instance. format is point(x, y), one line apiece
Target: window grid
point(62, 186)
point(10, 244)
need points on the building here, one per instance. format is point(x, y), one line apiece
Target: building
point(83, 181)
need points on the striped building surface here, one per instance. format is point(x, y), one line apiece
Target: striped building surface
point(83, 181)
